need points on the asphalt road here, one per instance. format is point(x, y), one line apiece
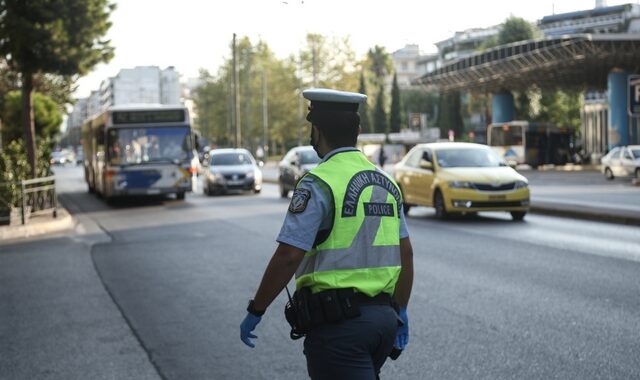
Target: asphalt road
point(549, 298)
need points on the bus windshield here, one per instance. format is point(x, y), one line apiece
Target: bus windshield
point(466, 158)
point(506, 135)
point(127, 146)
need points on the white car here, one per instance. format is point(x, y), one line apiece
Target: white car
point(622, 161)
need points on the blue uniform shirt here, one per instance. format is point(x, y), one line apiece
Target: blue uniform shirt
point(301, 228)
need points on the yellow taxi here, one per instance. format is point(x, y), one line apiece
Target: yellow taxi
point(456, 177)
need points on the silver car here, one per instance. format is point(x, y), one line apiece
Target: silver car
point(622, 161)
point(231, 169)
point(296, 163)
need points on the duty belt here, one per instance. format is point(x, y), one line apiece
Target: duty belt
point(305, 310)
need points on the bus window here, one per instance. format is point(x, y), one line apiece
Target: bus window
point(506, 135)
point(141, 145)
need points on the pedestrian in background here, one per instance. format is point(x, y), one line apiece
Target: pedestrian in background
point(346, 240)
point(382, 157)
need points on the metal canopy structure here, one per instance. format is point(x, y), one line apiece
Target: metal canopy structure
point(572, 61)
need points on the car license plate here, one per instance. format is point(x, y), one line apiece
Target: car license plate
point(153, 191)
point(235, 183)
point(497, 197)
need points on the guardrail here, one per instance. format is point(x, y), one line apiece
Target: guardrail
point(37, 196)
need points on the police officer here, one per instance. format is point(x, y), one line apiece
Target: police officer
point(344, 230)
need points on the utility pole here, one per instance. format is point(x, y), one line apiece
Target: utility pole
point(265, 119)
point(300, 102)
point(236, 95)
point(232, 84)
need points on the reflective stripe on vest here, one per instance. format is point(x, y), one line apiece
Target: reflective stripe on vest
point(362, 251)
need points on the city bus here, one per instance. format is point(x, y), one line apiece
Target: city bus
point(534, 144)
point(139, 150)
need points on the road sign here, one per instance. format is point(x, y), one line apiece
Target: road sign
point(634, 95)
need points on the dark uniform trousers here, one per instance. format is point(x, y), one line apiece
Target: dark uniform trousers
point(353, 349)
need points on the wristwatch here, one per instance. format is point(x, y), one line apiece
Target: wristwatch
point(251, 309)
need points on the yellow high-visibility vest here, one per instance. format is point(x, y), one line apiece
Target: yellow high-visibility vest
point(362, 251)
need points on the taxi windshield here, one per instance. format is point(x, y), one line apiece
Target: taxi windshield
point(468, 158)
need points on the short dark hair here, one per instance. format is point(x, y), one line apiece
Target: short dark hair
point(340, 128)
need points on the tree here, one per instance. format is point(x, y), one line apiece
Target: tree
point(328, 62)
point(61, 37)
point(394, 112)
point(449, 113)
point(47, 117)
point(379, 63)
point(515, 29)
point(364, 108)
point(379, 114)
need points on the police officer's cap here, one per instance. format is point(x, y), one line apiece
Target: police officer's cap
point(323, 99)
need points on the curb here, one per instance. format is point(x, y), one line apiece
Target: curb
point(39, 225)
point(586, 213)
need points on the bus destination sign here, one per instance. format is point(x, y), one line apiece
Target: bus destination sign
point(148, 117)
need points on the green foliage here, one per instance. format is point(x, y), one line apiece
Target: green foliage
point(14, 167)
point(365, 122)
point(329, 62)
point(515, 29)
point(213, 99)
point(394, 114)
point(46, 114)
point(379, 113)
point(560, 108)
point(379, 63)
point(419, 101)
point(450, 114)
point(62, 37)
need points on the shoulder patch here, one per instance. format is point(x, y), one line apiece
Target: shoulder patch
point(299, 200)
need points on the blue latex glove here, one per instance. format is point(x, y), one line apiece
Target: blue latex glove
point(402, 336)
point(247, 326)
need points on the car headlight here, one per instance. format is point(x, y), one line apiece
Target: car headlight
point(520, 185)
point(216, 176)
point(460, 185)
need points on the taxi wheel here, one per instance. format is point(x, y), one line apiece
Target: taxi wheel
point(608, 174)
point(180, 196)
point(637, 173)
point(438, 204)
point(518, 215)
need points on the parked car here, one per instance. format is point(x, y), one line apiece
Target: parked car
point(457, 177)
point(622, 161)
point(232, 169)
point(297, 162)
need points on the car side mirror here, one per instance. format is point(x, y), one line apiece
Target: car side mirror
point(427, 165)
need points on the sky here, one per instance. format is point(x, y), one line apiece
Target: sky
point(196, 34)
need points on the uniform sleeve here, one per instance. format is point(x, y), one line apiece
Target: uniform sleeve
point(404, 231)
point(305, 215)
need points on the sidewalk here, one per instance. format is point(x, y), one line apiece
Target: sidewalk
point(38, 225)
